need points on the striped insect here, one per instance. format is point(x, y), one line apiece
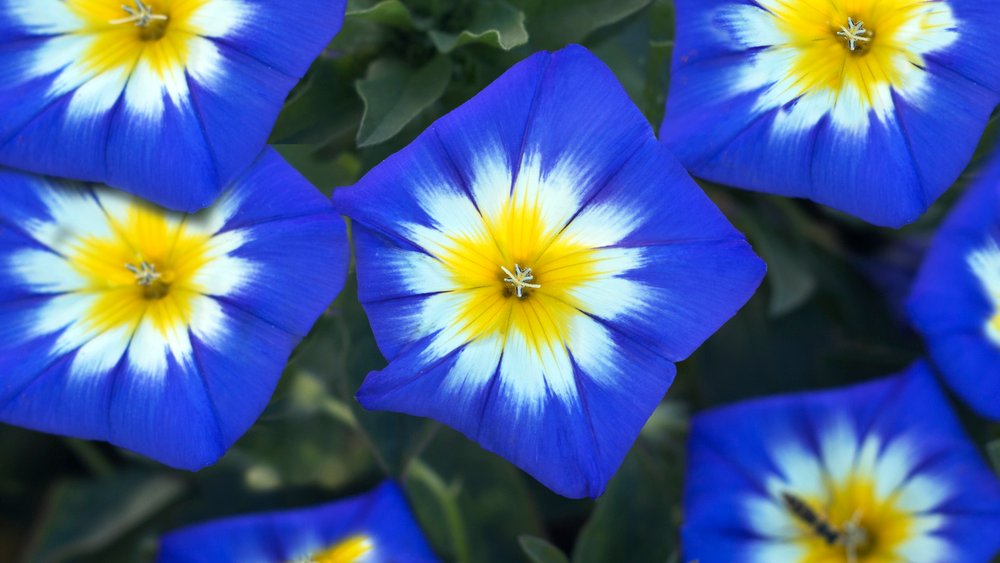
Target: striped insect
point(852, 536)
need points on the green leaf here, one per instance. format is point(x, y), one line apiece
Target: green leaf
point(790, 281)
point(85, 516)
point(541, 551)
point(322, 109)
point(437, 501)
point(323, 172)
point(496, 504)
point(387, 12)
point(494, 23)
point(993, 449)
point(394, 95)
point(554, 23)
point(637, 518)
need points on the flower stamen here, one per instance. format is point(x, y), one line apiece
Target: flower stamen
point(145, 274)
point(141, 15)
point(854, 32)
point(519, 279)
point(854, 537)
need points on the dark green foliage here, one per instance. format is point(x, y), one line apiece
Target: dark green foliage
point(827, 315)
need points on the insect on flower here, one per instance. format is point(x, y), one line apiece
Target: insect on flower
point(876, 472)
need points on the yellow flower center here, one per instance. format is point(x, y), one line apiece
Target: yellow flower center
point(519, 273)
point(861, 43)
point(852, 524)
point(158, 32)
point(146, 270)
point(844, 58)
point(350, 550)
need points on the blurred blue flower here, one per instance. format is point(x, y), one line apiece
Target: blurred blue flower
point(875, 472)
point(873, 108)
point(532, 266)
point(373, 528)
point(166, 99)
point(955, 300)
point(157, 331)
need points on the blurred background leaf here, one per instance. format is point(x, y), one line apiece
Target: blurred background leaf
point(539, 550)
point(83, 516)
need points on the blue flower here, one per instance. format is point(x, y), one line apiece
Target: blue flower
point(873, 108)
point(955, 300)
point(880, 471)
point(157, 331)
point(534, 264)
point(167, 99)
point(373, 528)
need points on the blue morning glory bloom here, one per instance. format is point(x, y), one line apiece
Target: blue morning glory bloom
point(534, 264)
point(167, 99)
point(955, 300)
point(160, 332)
point(877, 472)
point(373, 528)
point(870, 107)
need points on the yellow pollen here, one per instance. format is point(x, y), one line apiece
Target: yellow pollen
point(519, 279)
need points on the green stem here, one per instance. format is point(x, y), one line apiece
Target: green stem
point(433, 428)
point(90, 456)
point(447, 497)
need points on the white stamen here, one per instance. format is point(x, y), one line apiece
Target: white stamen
point(145, 274)
point(519, 279)
point(853, 537)
point(854, 32)
point(141, 15)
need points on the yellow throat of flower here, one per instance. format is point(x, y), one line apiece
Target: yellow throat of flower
point(156, 32)
point(852, 525)
point(847, 57)
point(147, 270)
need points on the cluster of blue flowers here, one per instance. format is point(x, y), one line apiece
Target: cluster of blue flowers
point(533, 265)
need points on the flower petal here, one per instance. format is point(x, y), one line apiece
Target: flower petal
point(167, 375)
point(381, 515)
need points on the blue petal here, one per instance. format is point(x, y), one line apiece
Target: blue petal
point(287, 37)
point(887, 175)
point(204, 401)
point(250, 90)
point(552, 114)
point(166, 160)
point(183, 158)
point(681, 233)
point(972, 56)
point(573, 448)
point(949, 305)
point(730, 460)
point(317, 267)
point(941, 135)
point(172, 420)
point(382, 514)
